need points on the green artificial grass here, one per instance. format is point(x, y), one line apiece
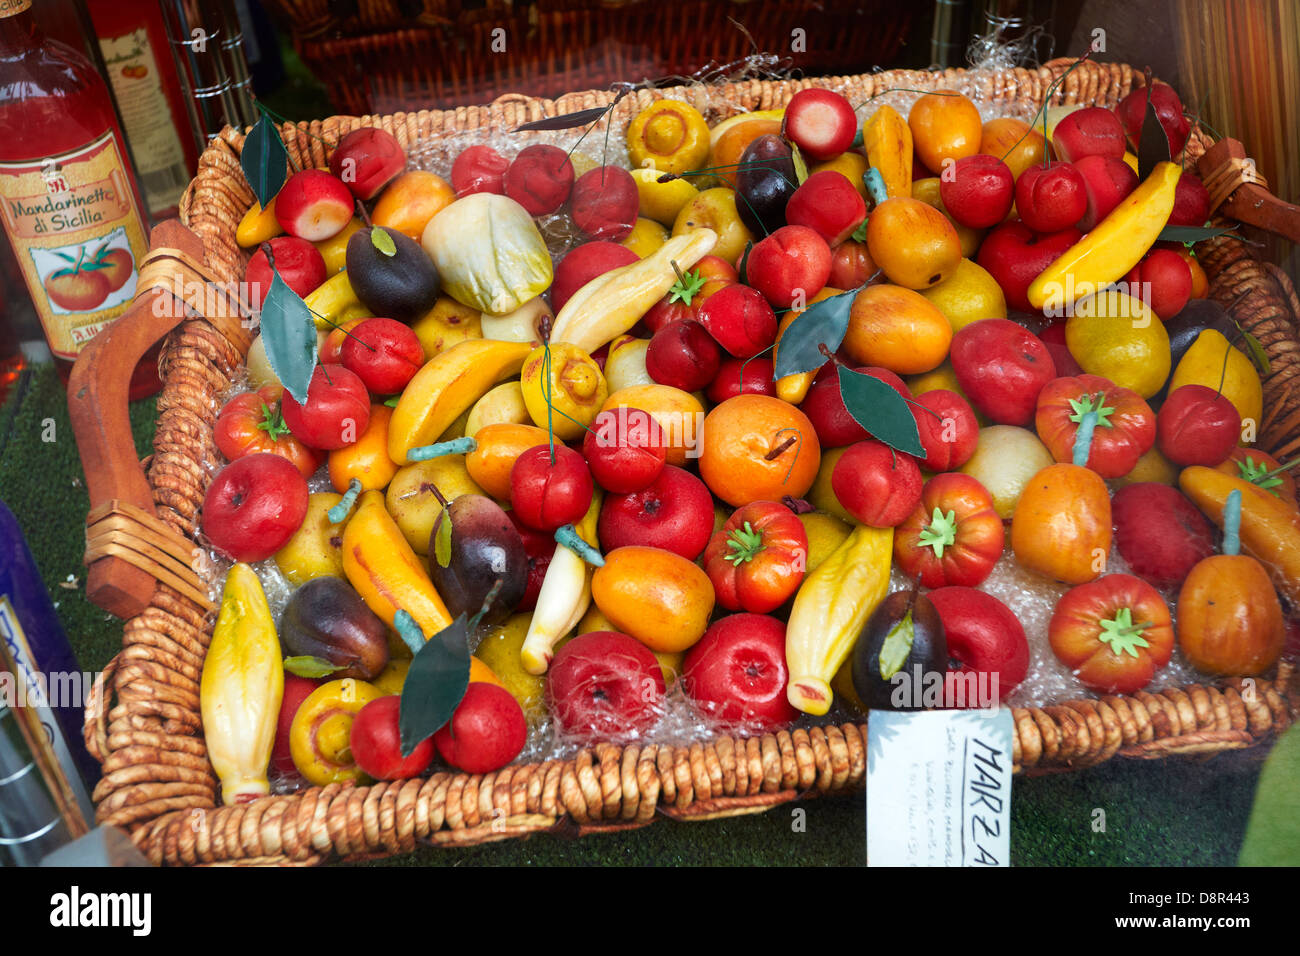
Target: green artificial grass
point(1172, 812)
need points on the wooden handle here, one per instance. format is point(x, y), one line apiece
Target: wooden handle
point(97, 402)
point(1248, 202)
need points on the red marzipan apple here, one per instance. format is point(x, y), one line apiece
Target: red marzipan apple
point(674, 512)
point(1001, 367)
point(820, 122)
point(682, 354)
point(314, 205)
point(254, 506)
point(824, 405)
point(1197, 426)
point(737, 672)
point(625, 449)
point(791, 264)
point(880, 487)
point(584, 263)
point(487, 731)
point(740, 318)
point(1159, 532)
point(1094, 131)
point(604, 685)
point(979, 191)
point(1051, 198)
point(742, 377)
point(1106, 181)
point(299, 263)
point(1163, 280)
point(367, 160)
point(829, 204)
point(983, 636)
point(1015, 257)
point(948, 429)
point(296, 690)
point(1191, 201)
point(384, 353)
point(376, 742)
point(1132, 111)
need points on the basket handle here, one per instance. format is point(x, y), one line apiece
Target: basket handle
point(122, 575)
point(1239, 192)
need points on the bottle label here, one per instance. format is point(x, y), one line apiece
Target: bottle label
point(76, 231)
point(11, 8)
point(137, 86)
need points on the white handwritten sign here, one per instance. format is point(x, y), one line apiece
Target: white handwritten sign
point(939, 788)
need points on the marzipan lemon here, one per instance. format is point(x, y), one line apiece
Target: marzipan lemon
point(1118, 337)
point(968, 295)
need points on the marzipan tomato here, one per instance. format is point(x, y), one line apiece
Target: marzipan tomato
point(1125, 430)
point(1114, 633)
point(758, 558)
point(252, 423)
point(337, 409)
point(691, 290)
point(954, 537)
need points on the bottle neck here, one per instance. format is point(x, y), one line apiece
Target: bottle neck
point(19, 32)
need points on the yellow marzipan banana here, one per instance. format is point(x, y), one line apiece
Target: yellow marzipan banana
point(448, 386)
point(1115, 246)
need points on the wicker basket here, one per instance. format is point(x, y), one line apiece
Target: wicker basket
point(375, 61)
point(157, 781)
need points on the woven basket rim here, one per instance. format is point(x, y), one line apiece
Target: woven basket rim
point(160, 797)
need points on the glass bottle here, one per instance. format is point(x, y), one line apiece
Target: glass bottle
point(68, 202)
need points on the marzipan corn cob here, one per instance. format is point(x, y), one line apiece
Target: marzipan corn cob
point(241, 687)
point(830, 608)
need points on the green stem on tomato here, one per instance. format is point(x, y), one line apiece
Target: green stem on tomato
point(1232, 522)
point(1083, 439)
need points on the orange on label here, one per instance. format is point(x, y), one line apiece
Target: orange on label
point(78, 236)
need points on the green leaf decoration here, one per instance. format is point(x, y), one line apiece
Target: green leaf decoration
point(392, 402)
point(442, 540)
point(382, 241)
point(800, 166)
point(1255, 349)
point(860, 233)
point(1153, 146)
point(1192, 233)
point(310, 667)
point(290, 337)
point(435, 684)
point(822, 323)
point(880, 410)
point(1273, 831)
point(897, 646)
point(264, 160)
